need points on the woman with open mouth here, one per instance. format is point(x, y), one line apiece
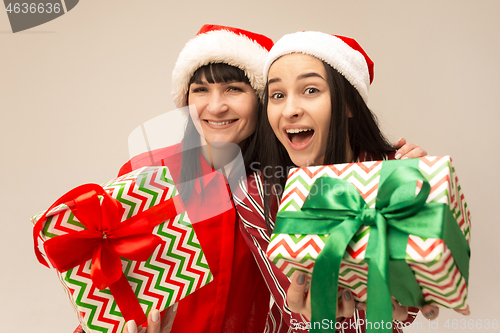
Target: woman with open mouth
point(315, 113)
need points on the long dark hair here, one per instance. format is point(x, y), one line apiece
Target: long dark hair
point(362, 130)
point(191, 165)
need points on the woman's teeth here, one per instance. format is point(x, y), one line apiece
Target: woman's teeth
point(297, 130)
point(220, 122)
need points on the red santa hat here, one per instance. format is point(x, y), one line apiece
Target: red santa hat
point(219, 44)
point(342, 53)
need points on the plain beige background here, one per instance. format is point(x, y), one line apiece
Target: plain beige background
point(73, 89)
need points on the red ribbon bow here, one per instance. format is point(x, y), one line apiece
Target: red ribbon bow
point(105, 240)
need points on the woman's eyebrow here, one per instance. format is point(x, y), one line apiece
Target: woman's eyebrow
point(307, 75)
point(229, 82)
point(274, 80)
point(201, 82)
point(300, 77)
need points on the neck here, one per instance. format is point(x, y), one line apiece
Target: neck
point(219, 154)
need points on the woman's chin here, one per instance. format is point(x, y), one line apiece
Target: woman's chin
point(301, 161)
point(218, 140)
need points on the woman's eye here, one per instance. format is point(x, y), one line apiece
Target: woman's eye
point(277, 96)
point(234, 89)
point(310, 91)
point(198, 89)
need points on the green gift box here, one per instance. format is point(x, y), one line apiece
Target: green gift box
point(401, 227)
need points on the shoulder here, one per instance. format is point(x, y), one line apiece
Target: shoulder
point(168, 156)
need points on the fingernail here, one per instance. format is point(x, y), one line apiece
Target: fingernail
point(398, 156)
point(359, 309)
point(301, 279)
point(347, 295)
point(174, 307)
point(404, 158)
point(131, 326)
point(401, 138)
point(155, 315)
point(430, 314)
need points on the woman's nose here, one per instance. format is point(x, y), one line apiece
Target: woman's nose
point(292, 108)
point(217, 104)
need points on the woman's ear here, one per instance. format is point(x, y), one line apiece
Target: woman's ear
point(349, 113)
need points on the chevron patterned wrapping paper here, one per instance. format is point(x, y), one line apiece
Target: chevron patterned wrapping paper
point(175, 269)
point(430, 259)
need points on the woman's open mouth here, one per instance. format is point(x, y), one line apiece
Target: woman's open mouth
point(299, 138)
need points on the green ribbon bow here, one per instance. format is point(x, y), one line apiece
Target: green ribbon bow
point(339, 210)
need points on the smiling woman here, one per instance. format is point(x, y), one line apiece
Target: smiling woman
point(219, 75)
point(225, 104)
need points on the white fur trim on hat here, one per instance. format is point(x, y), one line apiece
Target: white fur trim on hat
point(334, 51)
point(218, 46)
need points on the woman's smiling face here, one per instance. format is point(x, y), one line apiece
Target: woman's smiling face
point(299, 107)
point(227, 111)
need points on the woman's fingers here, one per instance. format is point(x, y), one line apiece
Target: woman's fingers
point(398, 144)
point(345, 308)
point(307, 309)
point(408, 150)
point(415, 152)
point(361, 306)
point(168, 320)
point(465, 311)
point(403, 148)
point(130, 327)
point(430, 311)
point(295, 296)
point(154, 322)
point(399, 312)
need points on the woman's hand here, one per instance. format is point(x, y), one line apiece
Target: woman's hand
point(400, 312)
point(154, 324)
point(408, 150)
point(431, 312)
point(300, 303)
point(295, 296)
